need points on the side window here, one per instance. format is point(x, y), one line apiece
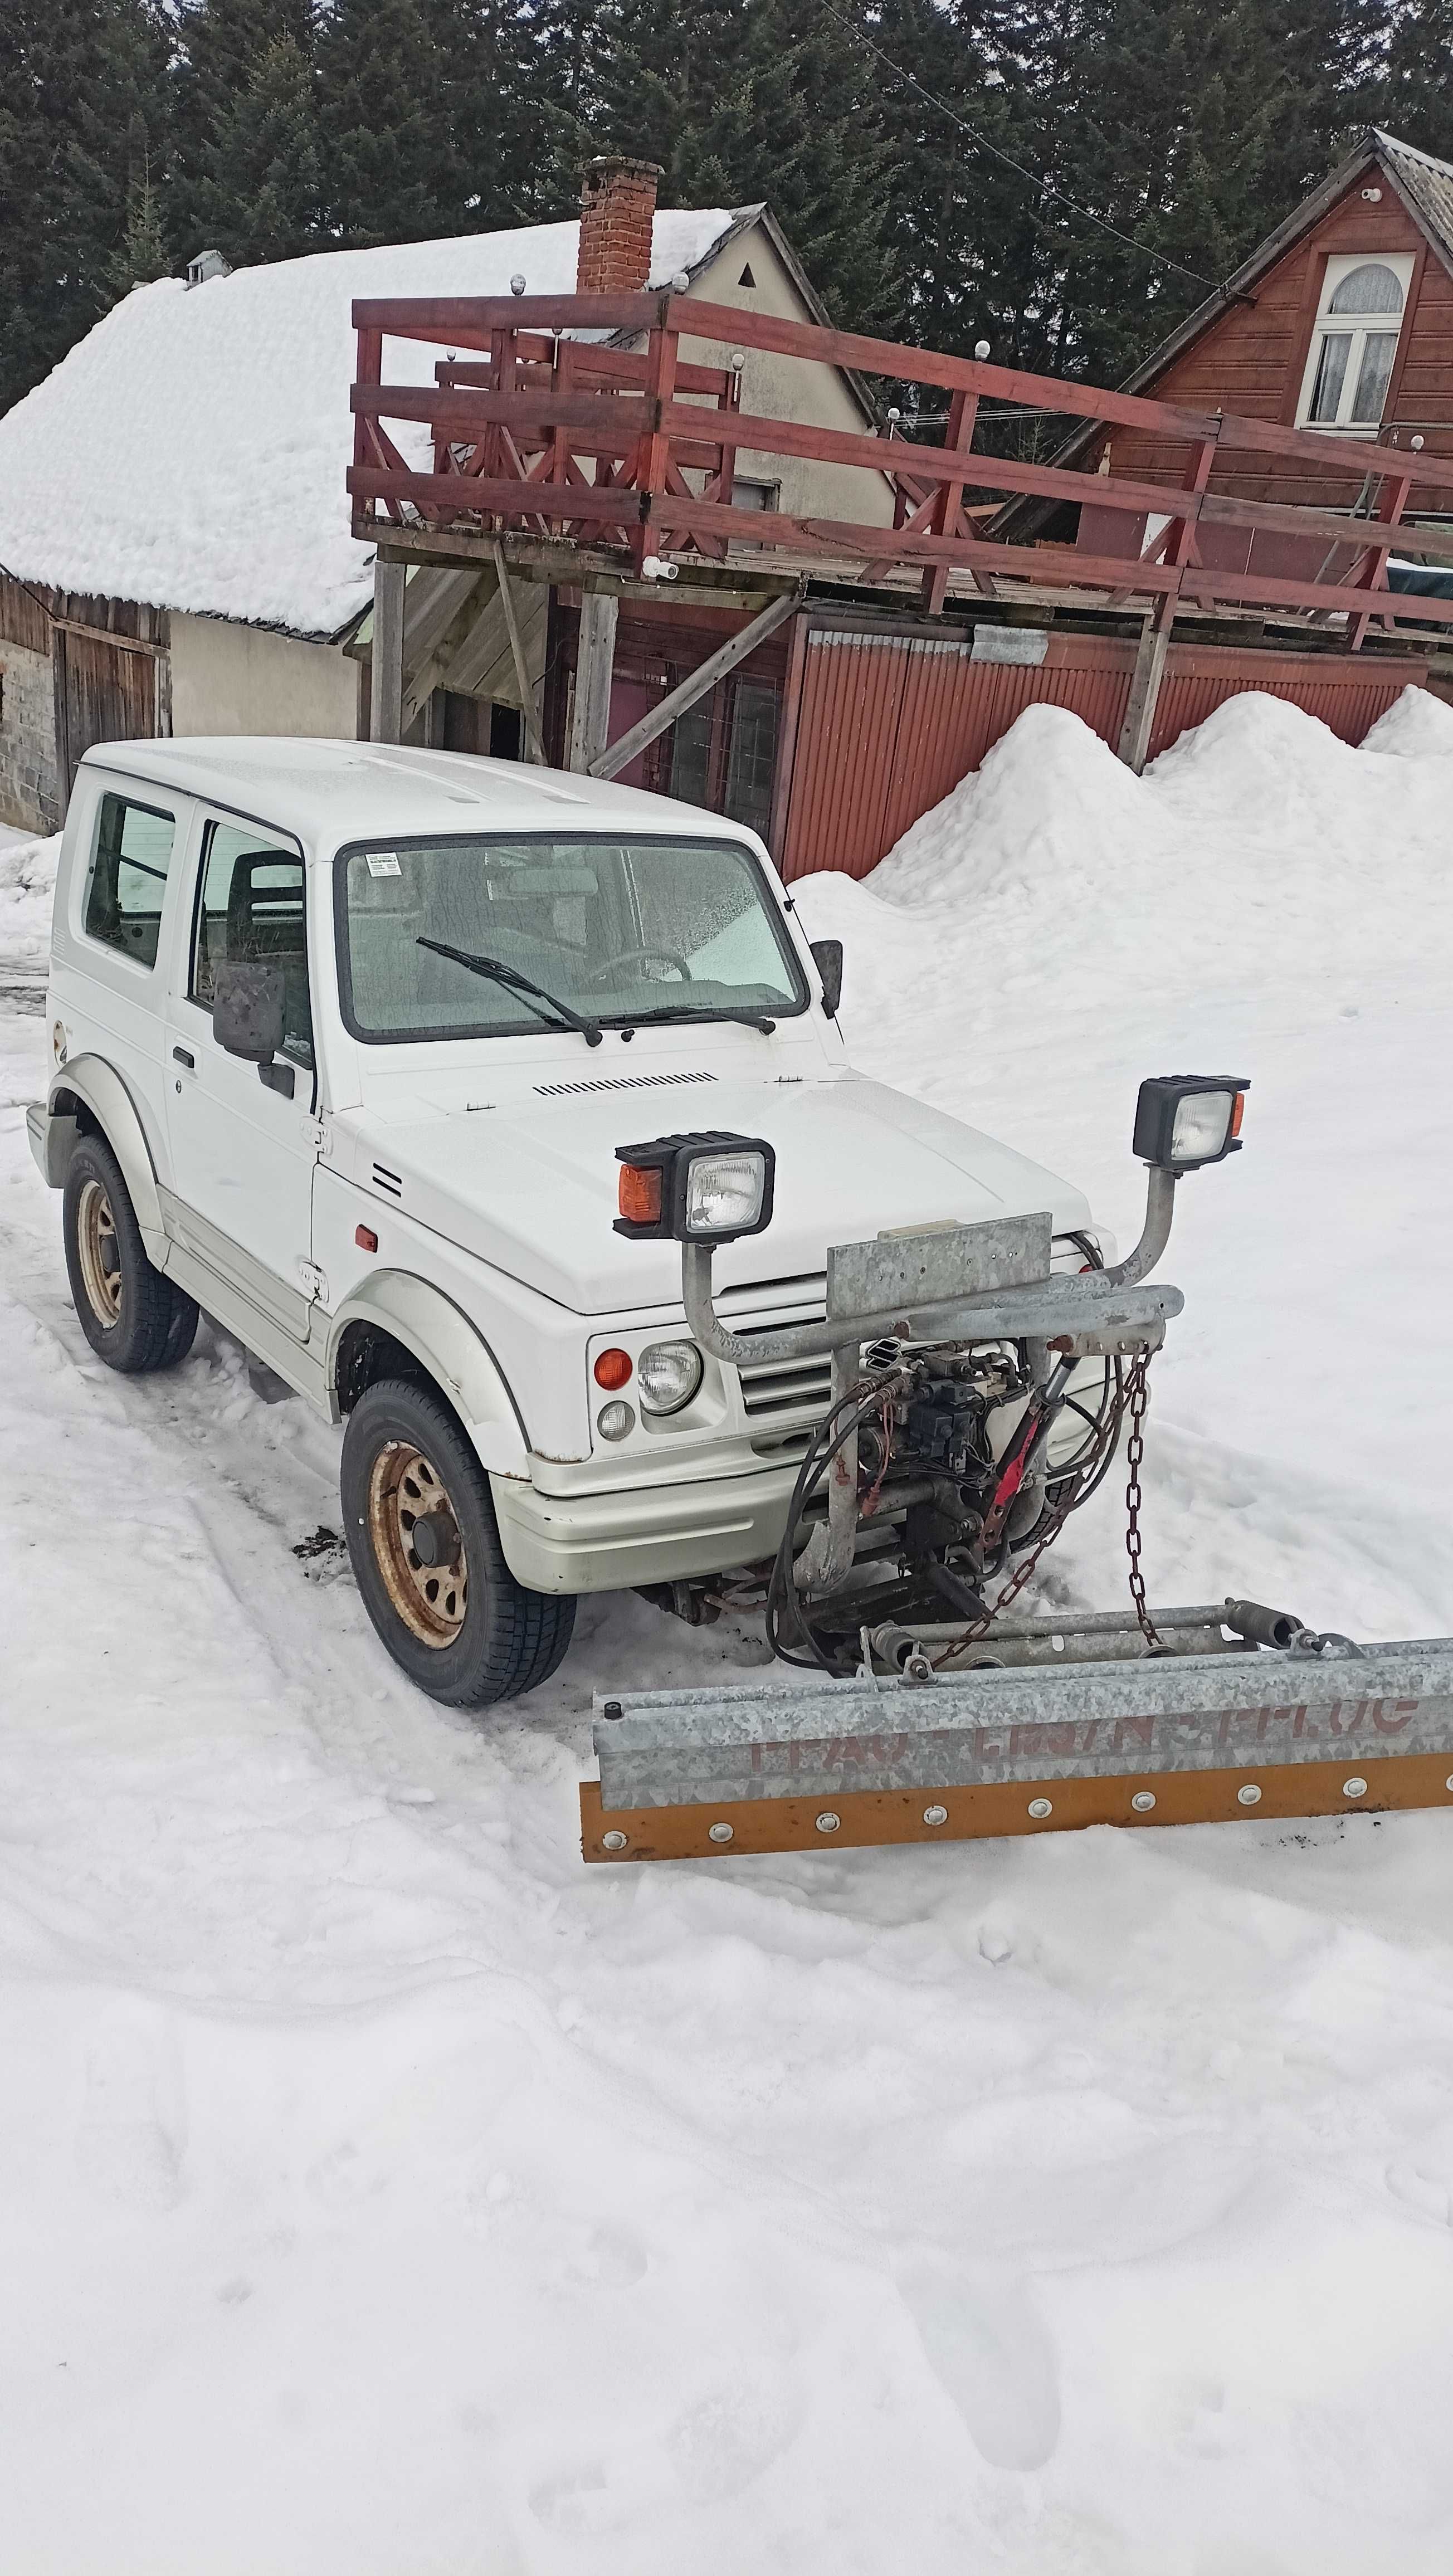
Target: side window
point(128, 877)
point(251, 907)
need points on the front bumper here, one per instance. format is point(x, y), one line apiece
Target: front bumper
point(609, 1542)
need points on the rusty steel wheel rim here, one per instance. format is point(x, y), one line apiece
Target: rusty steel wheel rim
point(100, 1253)
point(417, 1544)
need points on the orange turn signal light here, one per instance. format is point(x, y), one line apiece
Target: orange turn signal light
point(612, 1369)
point(365, 1238)
point(640, 1194)
point(1237, 1114)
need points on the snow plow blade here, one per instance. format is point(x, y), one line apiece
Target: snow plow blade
point(1215, 1728)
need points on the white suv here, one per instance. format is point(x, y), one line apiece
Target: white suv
point(348, 1042)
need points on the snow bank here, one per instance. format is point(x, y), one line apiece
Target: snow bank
point(27, 892)
point(191, 450)
point(1264, 901)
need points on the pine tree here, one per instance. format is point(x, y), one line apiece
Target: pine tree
point(142, 254)
point(746, 99)
point(392, 170)
point(1415, 94)
point(83, 128)
point(223, 46)
point(260, 192)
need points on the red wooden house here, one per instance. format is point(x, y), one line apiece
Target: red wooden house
point(1341, 322)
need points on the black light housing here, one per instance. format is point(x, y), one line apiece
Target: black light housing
point(706, 1188)
point(1185, 1120)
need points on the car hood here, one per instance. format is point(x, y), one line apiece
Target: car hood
point(530, 1188)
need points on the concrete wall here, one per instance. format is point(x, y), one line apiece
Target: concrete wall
point(789, 389)
point(240, 679)
point(30, 792)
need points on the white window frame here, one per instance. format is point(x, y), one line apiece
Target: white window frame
point(1328, 324)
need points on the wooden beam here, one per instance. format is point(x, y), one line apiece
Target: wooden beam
point(528, 716)
point(386, 690)
point(609, 763)
point(594, 669)
point(1145, 683)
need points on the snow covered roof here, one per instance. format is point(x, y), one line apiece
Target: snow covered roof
point(190, 452)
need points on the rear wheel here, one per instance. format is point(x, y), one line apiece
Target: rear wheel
point(133, 1317)
point(425, 1547)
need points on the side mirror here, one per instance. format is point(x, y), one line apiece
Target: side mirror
point(827, 957)
point(247, 1009)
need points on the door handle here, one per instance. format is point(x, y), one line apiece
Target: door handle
point(184, 1055)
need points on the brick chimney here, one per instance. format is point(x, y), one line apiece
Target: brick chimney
point(617, 208)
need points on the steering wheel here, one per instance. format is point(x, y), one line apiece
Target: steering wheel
point(634, 957)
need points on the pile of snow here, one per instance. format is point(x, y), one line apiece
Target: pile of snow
point(381, 2190)
point(191, 450)
point(27, 892)
point(1265, 901)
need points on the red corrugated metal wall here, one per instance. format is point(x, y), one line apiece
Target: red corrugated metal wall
point(887, 723)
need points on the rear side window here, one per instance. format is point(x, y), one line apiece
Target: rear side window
point(128, 877)
point(251, 907)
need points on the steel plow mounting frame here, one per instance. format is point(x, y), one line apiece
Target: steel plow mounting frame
point(1166, 1739)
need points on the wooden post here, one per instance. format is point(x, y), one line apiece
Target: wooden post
point(608, 763)
point(386, 695)
point(653, 452)
point(594, 664)
point(528, 717)
point(945, 522)
point(1145, 683)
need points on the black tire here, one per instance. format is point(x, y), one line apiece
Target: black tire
point(133, 1318)
point(467, 1632)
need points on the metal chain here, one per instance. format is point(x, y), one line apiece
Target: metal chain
point(1138, 1398)
point(1017, 1581)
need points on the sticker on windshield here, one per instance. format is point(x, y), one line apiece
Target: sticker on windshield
point(383, 863)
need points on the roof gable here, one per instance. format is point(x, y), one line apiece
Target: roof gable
point(1423, 185)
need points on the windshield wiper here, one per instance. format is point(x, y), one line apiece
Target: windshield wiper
point(678, 1011)
point(514, 982)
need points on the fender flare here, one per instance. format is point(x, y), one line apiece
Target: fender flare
point(97, 1084)
point(444, 1341)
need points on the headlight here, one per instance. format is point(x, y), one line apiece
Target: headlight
point(695, 1189)
point(724, 1193)
point(667, 1376)
point(1184, 1120)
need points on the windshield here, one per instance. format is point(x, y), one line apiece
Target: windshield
point(620, 931)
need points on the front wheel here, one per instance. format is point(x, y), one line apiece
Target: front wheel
point(132, 1316)
point(424, 1543)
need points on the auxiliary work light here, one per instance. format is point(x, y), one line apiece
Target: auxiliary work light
point(1186, 1120)
point(695, 1189)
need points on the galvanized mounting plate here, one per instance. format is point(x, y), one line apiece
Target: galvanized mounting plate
point(912, 1270)
point(822, 1741)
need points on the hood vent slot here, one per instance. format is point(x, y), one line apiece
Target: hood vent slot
point(386, 1180)
point(618, 1082)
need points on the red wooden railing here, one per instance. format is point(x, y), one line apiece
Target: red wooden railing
point(560, 436)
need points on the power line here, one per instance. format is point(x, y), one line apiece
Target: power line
point(1031, 178)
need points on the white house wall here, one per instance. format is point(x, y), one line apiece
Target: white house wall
point(788, 389)
point(242, 679)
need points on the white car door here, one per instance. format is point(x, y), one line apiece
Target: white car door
point(243, 1136)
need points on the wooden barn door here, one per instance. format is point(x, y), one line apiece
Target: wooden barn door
point(105, 691)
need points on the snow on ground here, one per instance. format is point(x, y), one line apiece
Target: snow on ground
point(224, 410)
point(379, 2189)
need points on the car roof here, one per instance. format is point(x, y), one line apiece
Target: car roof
point(329, 792)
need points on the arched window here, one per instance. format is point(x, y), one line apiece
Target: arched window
point(1371, 287)
point(1354, 343)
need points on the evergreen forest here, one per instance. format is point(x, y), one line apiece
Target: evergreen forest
point(1064, 178)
